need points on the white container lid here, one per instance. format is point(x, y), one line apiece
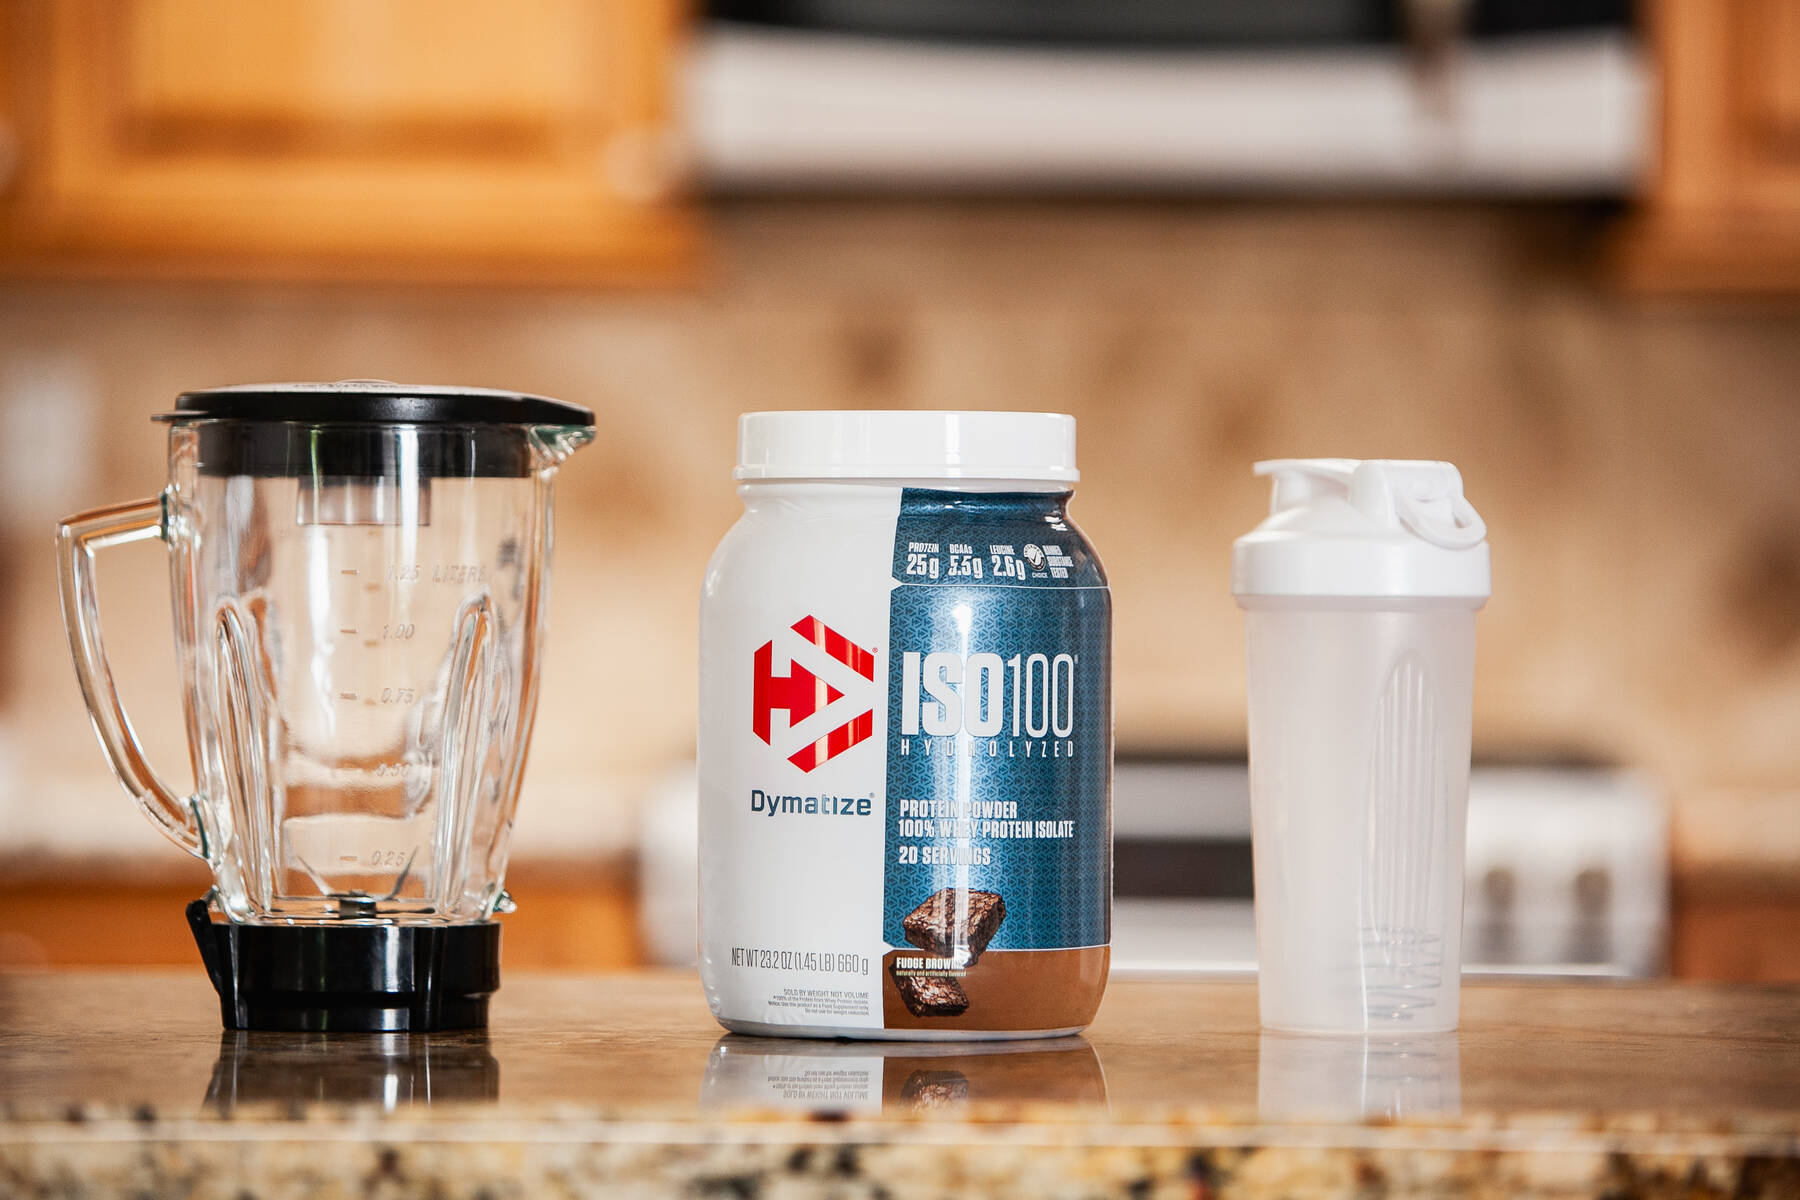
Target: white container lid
point(891, 444)
point(1372, 528)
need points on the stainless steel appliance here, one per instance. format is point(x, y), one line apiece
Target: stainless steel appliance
point(1567, 869)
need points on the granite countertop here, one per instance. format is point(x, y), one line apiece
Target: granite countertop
point(123, 1084)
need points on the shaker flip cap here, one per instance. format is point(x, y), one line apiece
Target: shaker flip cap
point(1371, 528)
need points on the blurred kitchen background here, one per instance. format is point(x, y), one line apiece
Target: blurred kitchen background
point(1554, 241)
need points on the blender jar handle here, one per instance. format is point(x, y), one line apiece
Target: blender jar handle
point(77, 538)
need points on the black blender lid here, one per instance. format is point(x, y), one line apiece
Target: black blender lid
point(376, 400)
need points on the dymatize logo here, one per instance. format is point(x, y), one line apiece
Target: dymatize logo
point(802, 693)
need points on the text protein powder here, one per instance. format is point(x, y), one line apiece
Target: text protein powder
point(905, 732)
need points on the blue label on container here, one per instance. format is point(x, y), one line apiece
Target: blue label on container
point(999, 719)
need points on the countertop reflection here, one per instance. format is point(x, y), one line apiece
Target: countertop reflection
point(1174, 1084)
point(1302, 1077)
point(384, 1069)
point(871, 1077)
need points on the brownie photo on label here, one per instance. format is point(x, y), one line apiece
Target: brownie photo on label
point(954, 918)
point(931, 995)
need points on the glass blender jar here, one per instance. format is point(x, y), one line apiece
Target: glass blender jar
point(359, 575)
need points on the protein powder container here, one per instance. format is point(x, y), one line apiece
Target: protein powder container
point(905, 732)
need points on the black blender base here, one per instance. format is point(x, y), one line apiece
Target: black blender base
point(349, 978)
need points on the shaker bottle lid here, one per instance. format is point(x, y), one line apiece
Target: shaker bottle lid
point(1370, 528)
point(374, 400)
point(889, 444)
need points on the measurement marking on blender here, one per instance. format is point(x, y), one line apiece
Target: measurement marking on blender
point(346, 695)
point(352, 632)
point(347, 571)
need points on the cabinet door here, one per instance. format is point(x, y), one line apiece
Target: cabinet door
point(1724, 213)
point(401, 139)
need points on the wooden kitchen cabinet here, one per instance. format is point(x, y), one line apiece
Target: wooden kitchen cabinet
point(412, 140)
point(1724, 210)
point(581, 918)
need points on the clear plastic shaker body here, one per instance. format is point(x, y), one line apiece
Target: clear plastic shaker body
point(1359, 721)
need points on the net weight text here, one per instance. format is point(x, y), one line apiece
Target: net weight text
point(833, 961)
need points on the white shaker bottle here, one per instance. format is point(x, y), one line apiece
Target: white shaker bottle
point(1360, 593)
